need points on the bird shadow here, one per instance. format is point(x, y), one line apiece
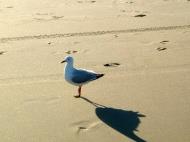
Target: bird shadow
point(124, 121)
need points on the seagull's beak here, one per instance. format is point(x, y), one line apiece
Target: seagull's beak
point(63, 61)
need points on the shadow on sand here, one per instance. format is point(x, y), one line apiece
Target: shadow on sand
point(123, 121)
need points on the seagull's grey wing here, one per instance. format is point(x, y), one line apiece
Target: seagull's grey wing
point(82, 76)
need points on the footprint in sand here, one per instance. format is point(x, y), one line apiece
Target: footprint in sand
point(9, 7)
point(39, 19)
point(123, 10)
point(140, 15)
point(76, 42)
point(111, 64)
point(91, 1)
point(71, 51)
point(161, 48)
point(57, 17)
point(49, 43)
point(83, 126)
point(129, 2)
point(164, 41)
point(42, 14)
point(80, 1)
point(81, 129)
point(116, 36)
point(2, 52)
point(47, 17)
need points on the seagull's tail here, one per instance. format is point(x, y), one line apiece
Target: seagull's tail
point(99, 75)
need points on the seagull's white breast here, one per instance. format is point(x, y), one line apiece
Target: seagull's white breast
point(69, 74)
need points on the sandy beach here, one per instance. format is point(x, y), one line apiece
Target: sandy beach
point(142, 47)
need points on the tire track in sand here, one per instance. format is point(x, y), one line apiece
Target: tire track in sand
point(95, 33)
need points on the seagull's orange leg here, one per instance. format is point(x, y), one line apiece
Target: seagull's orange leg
point(79, 92)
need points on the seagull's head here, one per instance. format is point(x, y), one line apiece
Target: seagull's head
point(68, 59)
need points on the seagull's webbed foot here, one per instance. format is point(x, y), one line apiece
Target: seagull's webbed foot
point(78, 96)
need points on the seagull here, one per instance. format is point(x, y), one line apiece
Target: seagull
point(78, 77)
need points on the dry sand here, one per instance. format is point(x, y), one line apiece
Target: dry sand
point(148, 91)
